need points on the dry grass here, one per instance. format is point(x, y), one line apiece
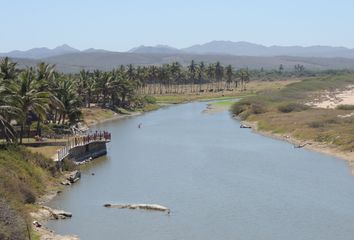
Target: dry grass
point(252, 88)
point(319, 125)
point(94, 115)
point(47, 151)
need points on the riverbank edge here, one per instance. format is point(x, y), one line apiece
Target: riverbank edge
point(46, 233)
point(322, 148)
point(314, 146)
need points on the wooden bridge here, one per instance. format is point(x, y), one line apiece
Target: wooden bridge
point(80, 141)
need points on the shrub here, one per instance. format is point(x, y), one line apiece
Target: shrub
point(292, 107)
point(27, 193)
point(345, 107)
point(150, 99)
point(238, 108)
point(316, 124)
point(258, 108)
point(247, 107)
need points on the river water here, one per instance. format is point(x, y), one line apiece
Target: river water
point(220, 181)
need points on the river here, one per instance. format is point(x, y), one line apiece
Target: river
point(220, 181)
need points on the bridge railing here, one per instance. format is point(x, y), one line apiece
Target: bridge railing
point(81, 141)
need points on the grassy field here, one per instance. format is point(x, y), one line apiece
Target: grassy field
point(252, 89)
point(284, 111)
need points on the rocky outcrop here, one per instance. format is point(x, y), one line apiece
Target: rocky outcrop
point(74, 176)
point(45, 213)
point(150, 207)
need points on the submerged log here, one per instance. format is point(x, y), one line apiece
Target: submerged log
point(150, 207)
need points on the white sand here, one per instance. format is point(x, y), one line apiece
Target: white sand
point(331, 100)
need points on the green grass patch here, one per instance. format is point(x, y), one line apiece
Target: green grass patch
point(345, 107)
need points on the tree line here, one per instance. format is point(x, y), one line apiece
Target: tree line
point(43, 95)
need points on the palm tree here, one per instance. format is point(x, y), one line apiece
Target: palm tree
point(244, 76)
point(201, 70)
point(27, 97)
point(210, 72)
point(7, 69)
point(229, 75)
point(192, 69)
point(67, 94)
point(219, 74)
point(6, 113)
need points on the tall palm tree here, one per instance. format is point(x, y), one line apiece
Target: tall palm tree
point(192, 69)
point(219, 74)
point(67, 94)
point(200, 74)
point(28, 98)
point(229, 76)
point(7, 69)
point(210, 72)
point(7, 112)
point(244, 76)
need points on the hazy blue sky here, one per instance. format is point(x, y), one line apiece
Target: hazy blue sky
point(121, 25)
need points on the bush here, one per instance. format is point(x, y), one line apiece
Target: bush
point(292, 107)
point(247, 107)
point(238, 108)
point(316, 124)
point(258, 108)
point(150, 99)
point(345, 107)
point(27, 194)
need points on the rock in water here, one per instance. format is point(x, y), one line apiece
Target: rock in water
point(150, 207)
point(74, 176)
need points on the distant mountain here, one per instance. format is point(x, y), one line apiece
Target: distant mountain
point(94, 50)
point(238, 54)
point(73, 63)
point(158, 49)
point(251, 49)
point(38, 53)
point(210, 48)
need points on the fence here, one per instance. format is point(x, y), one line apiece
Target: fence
point(81, 141)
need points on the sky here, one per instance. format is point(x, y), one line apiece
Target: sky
point(119, 25)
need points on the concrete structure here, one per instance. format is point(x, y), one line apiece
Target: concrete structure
point(86, 147)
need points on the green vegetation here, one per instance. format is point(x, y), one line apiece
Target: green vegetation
point(23, 177)
point(224, 103)
point(345, 107)
point(284, 111)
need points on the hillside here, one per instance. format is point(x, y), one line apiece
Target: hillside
point(71, 63)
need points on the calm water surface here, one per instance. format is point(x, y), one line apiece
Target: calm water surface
point(220, 181)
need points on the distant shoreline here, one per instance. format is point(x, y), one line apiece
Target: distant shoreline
point(311, 145)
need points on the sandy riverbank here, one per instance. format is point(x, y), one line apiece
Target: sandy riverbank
point(331, 100)
point(43, 214)
point(310, 145)
point(115, 116)
point(212, 109)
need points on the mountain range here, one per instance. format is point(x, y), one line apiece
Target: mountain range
point(43, 52)
point(238, 54)
point(210, 48)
